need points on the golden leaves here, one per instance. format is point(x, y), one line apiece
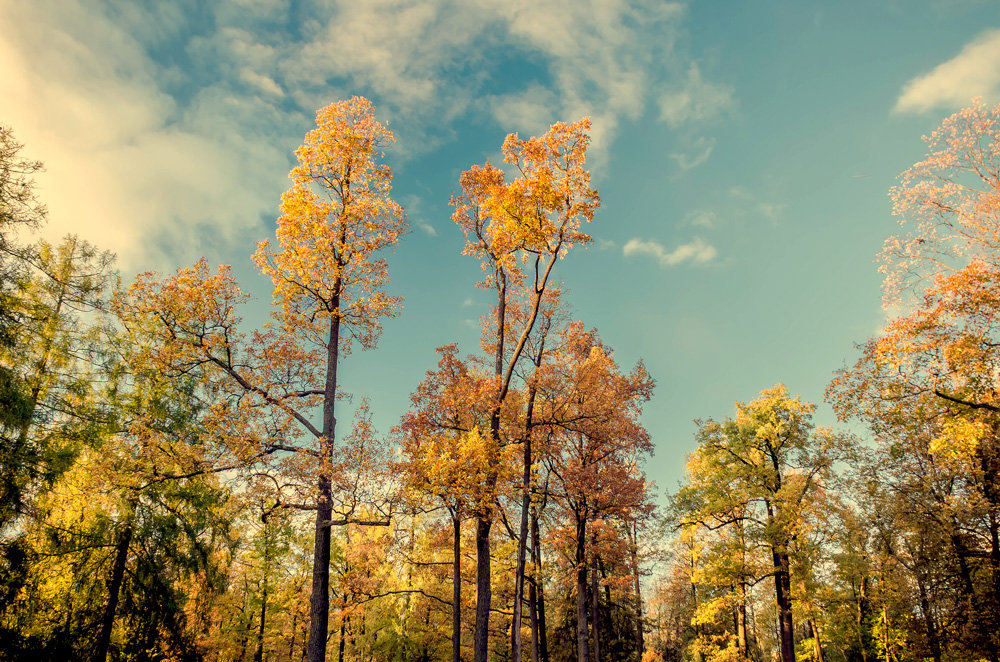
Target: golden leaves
point(337, 214)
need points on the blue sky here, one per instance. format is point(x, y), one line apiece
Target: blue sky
point(743, 152)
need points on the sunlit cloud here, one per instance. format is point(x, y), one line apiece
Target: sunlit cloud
point(697, 251)
point(974, 72)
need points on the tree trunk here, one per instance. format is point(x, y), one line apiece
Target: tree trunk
point(258, 655)
point(582, 640)
point(480, 651)
point(522, 540)
point(114, 590)
point(782, 591)
point(925, 609)
point(456, 593)
point(319, 599)
point(634, 553)
point(341, 645)
point(536, 546)
point(741, 622)
point(595, 604)
point(817, 645)
point(533, 614)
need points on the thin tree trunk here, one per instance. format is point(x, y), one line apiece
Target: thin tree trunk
point(484, 520)
point(114, 590)
point(595, 604)
point(258, 655)
point(582, 640)
point(533, 614)
point(536, 544)
point(741, 622)
point(319, 599)
point(817, 645)
point(925, 609)
point(634, 553)
point(456, 593)
point(522, 540)
point(341, 645)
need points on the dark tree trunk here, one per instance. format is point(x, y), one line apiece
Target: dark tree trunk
point(634, 553)
point(319, 599)
point(114, 590)
point(344, 620)
point(258, 655)
point(782, 591)
point(536, 546)
point(582, 640)
point(484, 589)
point(456, 593)
point(522, 540)
point(595, 607)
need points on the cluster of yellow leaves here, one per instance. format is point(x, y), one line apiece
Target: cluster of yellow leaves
point(540, 212)
point(335, 217)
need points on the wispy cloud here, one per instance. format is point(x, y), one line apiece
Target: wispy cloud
point(974, 72)
point(702, 218)
point(695, 99)
point(697, 251)
point(145, 152)
point(700, 152)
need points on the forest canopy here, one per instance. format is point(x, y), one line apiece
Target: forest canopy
point(174, 483)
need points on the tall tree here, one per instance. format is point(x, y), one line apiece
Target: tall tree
point(328, 292)
point(519, 230)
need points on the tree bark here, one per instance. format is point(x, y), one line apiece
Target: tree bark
point(582, 640)
point(595, 604)
point(536, 545)
point(515, 627)
point(484, 590)
point(258, 655)
point(114, 590)
point(817, 645)
point(782, 591)
point(319, 599)
point(456, 593)
point(634, 552)
point(741, 622)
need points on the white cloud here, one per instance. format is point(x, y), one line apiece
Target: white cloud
point(702, 218)
point(695, 100)
point(974, 72)
point(427, 228)
point(700, 152)
point(260, 81)
point(696, 252)
point(144, 156)
point(125, 163)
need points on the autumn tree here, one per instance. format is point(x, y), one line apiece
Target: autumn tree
point(927, 383)
point(756, 474)
point(595, 448)
point(328, 294)
point(445, 452)
point(519, 229)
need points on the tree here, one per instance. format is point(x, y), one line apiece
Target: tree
point(927, 383)
point(757, 473)
point(328, 293)
point(595, 446)
point(519, 230)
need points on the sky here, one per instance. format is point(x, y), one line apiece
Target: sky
point(743, 152)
